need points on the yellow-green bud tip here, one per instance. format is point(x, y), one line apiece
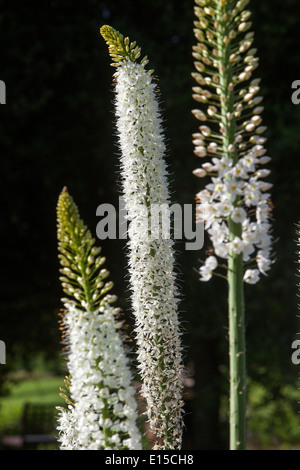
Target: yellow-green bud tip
point(120, 49)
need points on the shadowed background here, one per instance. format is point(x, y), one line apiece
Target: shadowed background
point(57, 129)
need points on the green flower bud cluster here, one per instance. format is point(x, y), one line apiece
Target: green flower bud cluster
point(120, 48)
point(81, 262)
point(225, 60)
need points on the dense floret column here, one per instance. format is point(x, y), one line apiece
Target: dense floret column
point(235, 205)
point(102, 411)
point(151, 259)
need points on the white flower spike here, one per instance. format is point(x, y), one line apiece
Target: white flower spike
point(151, 260)
point(102, 411)
point(232, 135)
point(235, 205)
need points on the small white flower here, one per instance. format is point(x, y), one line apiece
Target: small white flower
point(234, 188)
point(251, 276)
point(250, 233)
point(248, 249)
point(207, 212)
point(263, 261)
point(222, 165)
point(222, 250)
point(238, 215)
point(206, 271)
point(218, 233)
point(240, 171)
point(204, 196)
point(224, 208)
point(236, 245)
point(262, 212)
point(211, 262)
point(217, 187)
point(249, 162)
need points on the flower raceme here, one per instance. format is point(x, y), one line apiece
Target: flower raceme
point(154, 294)
point(102, 411)
point(235, 204)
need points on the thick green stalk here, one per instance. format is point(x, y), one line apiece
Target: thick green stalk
point(237, 352)
point(235, 262)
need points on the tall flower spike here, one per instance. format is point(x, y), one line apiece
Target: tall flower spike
point(151, 261)
point(102, 411)
point(235, 205)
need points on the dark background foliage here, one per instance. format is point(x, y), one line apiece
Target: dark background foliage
point(57, 129)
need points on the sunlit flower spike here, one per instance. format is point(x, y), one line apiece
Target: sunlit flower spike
point(151, 260)
point(102, 412)
point(235, 205)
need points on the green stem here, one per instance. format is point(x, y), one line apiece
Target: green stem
point(235, 262)
point(237, 352)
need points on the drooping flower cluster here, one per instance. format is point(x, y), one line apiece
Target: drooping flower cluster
point(102, 411)
point(235, 205)
point(151, 260)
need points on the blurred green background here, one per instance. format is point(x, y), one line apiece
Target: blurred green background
point(58, 128)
